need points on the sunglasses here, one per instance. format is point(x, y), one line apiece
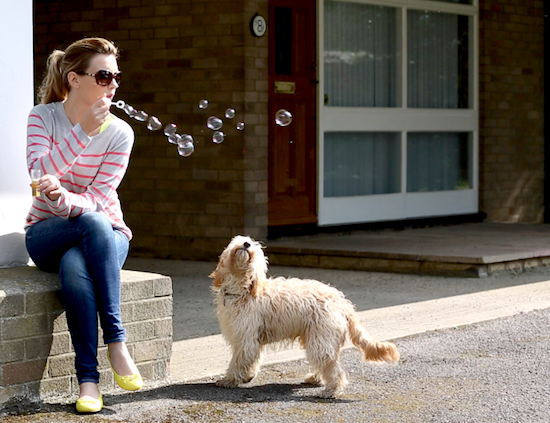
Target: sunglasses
point(104, 77)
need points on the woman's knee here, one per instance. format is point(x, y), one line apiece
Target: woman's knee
point(95, 222)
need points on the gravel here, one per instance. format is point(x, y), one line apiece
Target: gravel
point(495, 371)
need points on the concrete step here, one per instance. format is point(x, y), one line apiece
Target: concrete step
point(470, 249)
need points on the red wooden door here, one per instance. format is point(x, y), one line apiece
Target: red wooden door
point(293, 86)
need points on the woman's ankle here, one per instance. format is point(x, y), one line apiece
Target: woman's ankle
point(121, 360)
point(89, 389)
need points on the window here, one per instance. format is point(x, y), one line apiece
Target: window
point(360, 55)
point(437, 63)
point(398, 110)
point(438, 161)
point(361, 163)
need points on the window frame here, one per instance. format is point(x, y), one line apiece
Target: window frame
point(402, 119)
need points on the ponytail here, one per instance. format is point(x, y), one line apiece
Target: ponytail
point(76, 58)
point(53, 87)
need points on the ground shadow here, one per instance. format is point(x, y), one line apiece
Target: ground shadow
point(194, 392)
point(209, 392)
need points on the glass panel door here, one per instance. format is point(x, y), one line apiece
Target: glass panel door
point(399, 110)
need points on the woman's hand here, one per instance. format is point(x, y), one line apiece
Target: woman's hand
point(96, 115)
point(50, 185)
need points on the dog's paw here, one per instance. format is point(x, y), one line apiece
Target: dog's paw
point(313, 379)
point(227, 383)
point(328, 394)
point(249, 379)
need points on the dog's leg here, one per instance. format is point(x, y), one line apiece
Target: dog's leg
point(244, 366)
point(313, 378)
point(334, 377)
point(255, 367)
point(328, 367)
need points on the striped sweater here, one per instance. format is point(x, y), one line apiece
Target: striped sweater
point(90, 169)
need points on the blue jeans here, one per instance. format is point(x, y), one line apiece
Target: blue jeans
point(88, 254)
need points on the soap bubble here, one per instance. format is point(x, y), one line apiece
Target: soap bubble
point(230, 113)
point(186, 149)
point(170, 129)
point(141, 116)
point(129, 110)
point(240, 126)
point(184, 139)
point(185, 143)
point(283, 117)
point(174, 138)
point(214, 123)
point(218, 137)
point(154, 124)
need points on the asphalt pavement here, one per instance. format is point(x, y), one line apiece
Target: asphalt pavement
point(473, 350)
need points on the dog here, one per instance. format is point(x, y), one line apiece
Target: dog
point(254, 311)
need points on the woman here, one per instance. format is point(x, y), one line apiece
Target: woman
point(75, 227)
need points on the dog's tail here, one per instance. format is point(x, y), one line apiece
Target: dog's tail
point(372, 350)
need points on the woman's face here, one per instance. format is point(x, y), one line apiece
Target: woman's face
point(87, 88)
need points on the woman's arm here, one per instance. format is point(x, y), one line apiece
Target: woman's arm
point(100, 193)
point(51, 156)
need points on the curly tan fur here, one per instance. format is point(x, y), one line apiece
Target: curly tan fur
point(254, 311)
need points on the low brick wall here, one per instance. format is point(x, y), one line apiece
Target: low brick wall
point(36, 354)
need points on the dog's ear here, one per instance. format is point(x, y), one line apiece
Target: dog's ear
point(259, 271)
point(216, 275)
point(256, 287)
point(213, 276)
point(221, 269)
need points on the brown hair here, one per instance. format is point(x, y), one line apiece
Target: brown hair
point(76, 58)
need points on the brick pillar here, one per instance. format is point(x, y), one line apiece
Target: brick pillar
point(36, 353)
point(512, 110)
point(256, 138)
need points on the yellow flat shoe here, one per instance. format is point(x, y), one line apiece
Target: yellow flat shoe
point(89, 405)
point(130, 383)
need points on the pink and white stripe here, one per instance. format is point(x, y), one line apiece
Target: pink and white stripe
point(89, 169)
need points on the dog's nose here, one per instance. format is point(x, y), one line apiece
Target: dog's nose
point(246, 245)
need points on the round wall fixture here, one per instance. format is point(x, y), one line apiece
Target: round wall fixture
point(258, 25)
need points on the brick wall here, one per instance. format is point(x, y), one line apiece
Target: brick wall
point(36, 353)
point(512, 110)
point(175, 53)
